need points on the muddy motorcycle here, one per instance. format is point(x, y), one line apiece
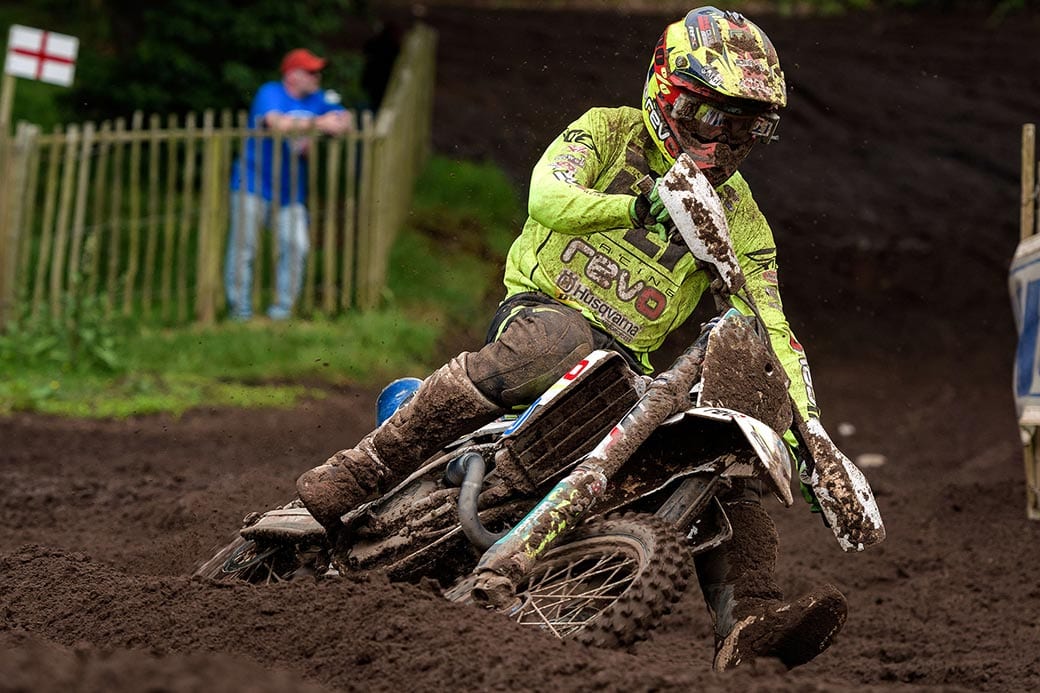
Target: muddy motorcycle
point(580, 515)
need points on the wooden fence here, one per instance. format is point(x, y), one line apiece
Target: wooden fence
point(135, 214)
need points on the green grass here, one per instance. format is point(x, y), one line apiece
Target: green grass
point(443, 268)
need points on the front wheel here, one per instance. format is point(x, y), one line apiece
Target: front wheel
point(609, 584)
point(246, 560)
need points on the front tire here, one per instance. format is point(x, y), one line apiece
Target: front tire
point(211, 568)
point(609, 584)
point(244, 560)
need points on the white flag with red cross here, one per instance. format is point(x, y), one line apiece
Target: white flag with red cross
point(41, 55)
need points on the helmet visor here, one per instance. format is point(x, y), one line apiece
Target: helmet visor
point(707, 121)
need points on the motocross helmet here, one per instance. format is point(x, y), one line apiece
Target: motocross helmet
point(713, 89)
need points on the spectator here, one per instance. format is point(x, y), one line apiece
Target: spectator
point(295, 106)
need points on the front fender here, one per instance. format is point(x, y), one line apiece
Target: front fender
point(767, 445)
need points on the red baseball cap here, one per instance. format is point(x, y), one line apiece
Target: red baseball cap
point(302, 59)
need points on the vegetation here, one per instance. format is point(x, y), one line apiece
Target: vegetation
point(444, 268)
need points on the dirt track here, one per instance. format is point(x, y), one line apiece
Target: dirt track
point(894, 198)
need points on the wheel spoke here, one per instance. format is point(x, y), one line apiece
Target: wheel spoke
point(561, 589)
point(545, 620)
point(585, 574)
point(566, 598)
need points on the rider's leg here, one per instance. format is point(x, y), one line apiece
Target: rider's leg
point(534, 347)
point(748, 609)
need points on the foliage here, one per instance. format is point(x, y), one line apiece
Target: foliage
point(84, 341)
point(38, 351)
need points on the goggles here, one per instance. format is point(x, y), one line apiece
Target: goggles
point(714, 122)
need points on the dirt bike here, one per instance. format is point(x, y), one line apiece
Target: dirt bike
point(581, 514)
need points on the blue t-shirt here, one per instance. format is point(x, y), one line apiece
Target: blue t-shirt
point(272, 96)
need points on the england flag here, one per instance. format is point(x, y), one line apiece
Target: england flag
point(41, 55)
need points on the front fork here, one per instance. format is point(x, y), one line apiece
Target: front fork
point(511, 558)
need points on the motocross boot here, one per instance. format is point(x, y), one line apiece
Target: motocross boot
point(751, 618)
point(445, 406)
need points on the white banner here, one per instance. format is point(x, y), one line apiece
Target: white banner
point(41, 55)
point(1024, 283)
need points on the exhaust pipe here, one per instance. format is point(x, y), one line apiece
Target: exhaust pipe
point(472, 466)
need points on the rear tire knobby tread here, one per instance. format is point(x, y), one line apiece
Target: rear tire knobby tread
point(660, 582)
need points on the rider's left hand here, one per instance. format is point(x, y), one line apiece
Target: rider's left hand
point(804, 473)
point(648, 211)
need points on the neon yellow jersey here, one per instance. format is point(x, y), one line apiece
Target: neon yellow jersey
point(579, 245)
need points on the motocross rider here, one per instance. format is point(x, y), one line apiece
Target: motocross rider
point(596, 267)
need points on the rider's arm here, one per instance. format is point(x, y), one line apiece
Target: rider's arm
point(756, 253)
point(563, 195)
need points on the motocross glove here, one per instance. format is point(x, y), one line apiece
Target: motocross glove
point(804, 474)
point(648, 212)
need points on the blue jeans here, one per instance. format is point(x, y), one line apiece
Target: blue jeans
point(248, 212)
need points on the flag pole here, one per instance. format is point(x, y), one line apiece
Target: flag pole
point(6, 247)
point(6, 102)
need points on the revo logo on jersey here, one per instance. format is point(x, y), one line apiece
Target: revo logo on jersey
point(604, 272)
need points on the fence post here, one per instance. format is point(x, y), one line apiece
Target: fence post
point(351, 198)
point(187, 207)
point(7, 251)
point(1028, 227)
point(14, 166)
point(25, 210)
point(209, 211)
point(61, 231)
point(75, 269)
point(152, 227)
point(366, 216)
point(166, 309)
point(1028, 211)
point(47, 230)
point(95, 242)
point(134, 220)
point(328, 226)
point(116, 216)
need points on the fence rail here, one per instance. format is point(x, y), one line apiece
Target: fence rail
point(135, 214)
